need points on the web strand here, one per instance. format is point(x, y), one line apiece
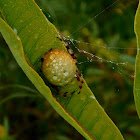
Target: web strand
point(99, 58)
point(90, 58)
point(96, 16)
point(67, 38)
point(120, 66)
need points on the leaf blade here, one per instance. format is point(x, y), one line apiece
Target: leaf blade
point(11, 40)
point(86, 104)
point(137, 65)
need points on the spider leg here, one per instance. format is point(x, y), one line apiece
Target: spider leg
point(71, 52)
point(42, 59)
point(78, 73)
point(65, 94)
point(68, 48)
point(79, 79)
point(59, 38)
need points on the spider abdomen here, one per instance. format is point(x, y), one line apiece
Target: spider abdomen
point(58, 67)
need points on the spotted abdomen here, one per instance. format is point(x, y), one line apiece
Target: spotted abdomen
point(58, 67)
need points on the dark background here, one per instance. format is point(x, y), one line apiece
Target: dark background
point(26, 115)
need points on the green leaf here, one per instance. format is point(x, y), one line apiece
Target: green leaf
point(137, 67)
point(18, 86)
point(35, 36)
point(17, 95)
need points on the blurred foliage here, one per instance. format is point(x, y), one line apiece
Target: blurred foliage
point(25, 114)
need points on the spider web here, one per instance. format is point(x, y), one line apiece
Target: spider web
point(118, 66)
point(115, 64)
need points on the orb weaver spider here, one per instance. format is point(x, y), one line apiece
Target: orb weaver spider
point(60, 67)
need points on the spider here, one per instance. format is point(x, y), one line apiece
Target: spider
point(60, 67)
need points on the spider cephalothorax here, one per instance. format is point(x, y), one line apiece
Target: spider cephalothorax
point(60, 67)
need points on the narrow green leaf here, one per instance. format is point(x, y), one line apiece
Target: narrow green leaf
point(18, 86)
point(17, 95)
point(36, 35)
point(137, 67)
